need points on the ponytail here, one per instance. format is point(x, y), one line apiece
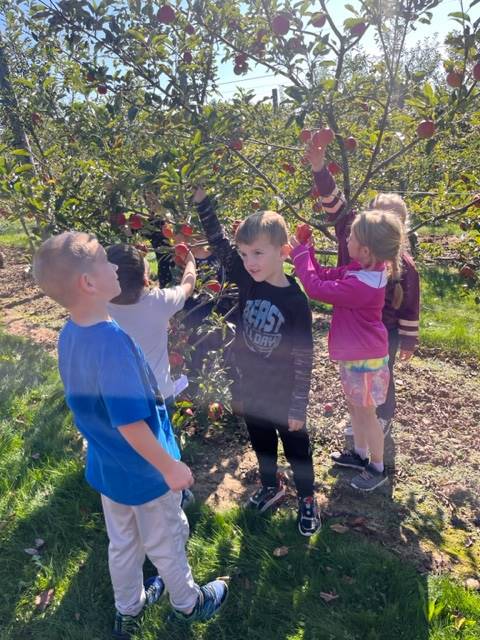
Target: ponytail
point(398, 289)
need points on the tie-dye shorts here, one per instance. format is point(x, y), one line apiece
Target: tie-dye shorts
point(365, 382)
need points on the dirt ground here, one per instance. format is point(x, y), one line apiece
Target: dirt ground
point(429, 511)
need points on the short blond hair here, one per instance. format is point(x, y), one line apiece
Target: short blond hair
point(59, 260)
point(268, 223)
point(391, 202)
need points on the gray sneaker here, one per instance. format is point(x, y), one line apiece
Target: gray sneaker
point(369, 479)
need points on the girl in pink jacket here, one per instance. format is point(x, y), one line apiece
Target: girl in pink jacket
point(358, 338)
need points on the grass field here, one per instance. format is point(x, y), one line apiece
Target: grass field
point(374, 594)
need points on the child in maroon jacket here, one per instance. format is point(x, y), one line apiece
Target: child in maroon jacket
point(401, 322)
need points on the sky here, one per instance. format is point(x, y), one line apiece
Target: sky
point(262, 81)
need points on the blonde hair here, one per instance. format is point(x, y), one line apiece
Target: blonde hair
point(59, 259)
point(270, 223)
point(394, 203)
point(383, 234)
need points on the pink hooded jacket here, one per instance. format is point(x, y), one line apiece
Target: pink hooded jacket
point(357, 295)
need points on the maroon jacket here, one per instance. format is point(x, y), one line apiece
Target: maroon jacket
point(405, 319)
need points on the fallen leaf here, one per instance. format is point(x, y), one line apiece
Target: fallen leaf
point(339, 528)
point(35, 456)
point(328, 597)
point(279, 552)
point(31, 551)
point(38, 542)
point(472, 583)
point(44, 599)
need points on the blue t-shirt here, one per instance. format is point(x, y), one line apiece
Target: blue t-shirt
point(108, 384)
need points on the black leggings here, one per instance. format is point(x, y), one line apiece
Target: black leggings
point(296, 445)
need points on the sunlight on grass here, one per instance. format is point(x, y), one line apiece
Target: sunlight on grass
point(450, 318)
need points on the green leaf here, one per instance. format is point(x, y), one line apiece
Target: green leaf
point(20, 152)
point(197, 138)
point(460, 15)
point(36, 204)
point(296, 93)
point(23, 167)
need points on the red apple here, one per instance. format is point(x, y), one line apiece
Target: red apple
point(467, 272)
point(240, 58)
point(255, 203)
point(102, 89)
point(350, 143)
point(181, 250)
point(119, 219)
point(167, 230)
point(303, 233)
point(216, 168)
point(213, 285)
point(334, 168)
point(280, 24)
point(240, 69)
point(135, 221)
point(476, 71)
point(141, 247)
point(455, 79)
point(288, 167)
point(426, 129)
point(187, 57)
point(328, 409)
point(317, 207)
point(36, 118)
point(305, 136)
point(323, 137)
point(190, 29)
point(358, 29)
point(175, 359)
point(215, 411)
point(166, 15)
point(319, 20)
point(236, 144)
point(186, 229)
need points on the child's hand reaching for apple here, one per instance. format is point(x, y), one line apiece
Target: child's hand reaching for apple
point(316, 156)
point(199, 195)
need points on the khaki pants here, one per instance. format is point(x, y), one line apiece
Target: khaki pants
point(158, 529)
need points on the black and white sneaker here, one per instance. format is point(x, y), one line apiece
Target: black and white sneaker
point(369, 479)
point(350, 459)
point(309, 521)
point(266, 497)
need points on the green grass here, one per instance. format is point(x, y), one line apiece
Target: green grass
point(450, 317)
point(43, 495)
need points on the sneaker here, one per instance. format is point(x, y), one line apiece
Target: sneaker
point(349, 458)
point(211, 598)
point(386, 425)
point(125, 626)
point(369, 479)
point(187, 499)
point(266, 497)
point(308, 516)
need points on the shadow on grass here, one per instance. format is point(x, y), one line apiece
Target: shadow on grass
point(442, 282)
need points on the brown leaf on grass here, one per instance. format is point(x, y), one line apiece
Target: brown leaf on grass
point(327, 596)
point(339, 528)
point(472, 583)
point(44, 599)
point(279, 552)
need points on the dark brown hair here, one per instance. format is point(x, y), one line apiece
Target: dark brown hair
point(131, 272)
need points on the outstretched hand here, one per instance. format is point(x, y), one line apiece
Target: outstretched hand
point(315, 156)
point(198, 195)
point(295, 425)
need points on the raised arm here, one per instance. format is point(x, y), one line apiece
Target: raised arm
point(189, 275)
point(221, 245)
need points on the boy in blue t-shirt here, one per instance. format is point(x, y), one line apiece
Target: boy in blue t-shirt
point(132, 458)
